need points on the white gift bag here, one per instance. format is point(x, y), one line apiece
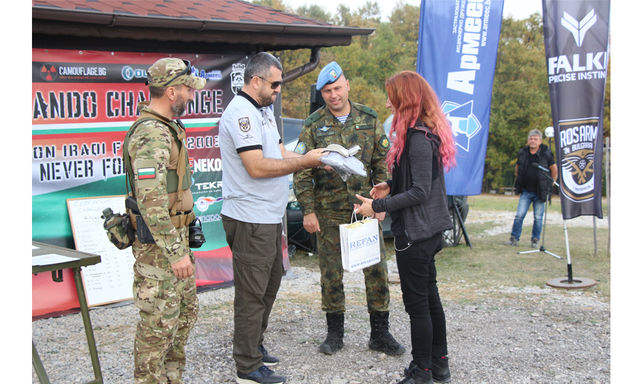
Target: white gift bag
point(360, 244)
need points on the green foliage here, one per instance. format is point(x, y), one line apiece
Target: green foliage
point(275, 4)
point(368, 61)
point(520, 99)
point(313, 12)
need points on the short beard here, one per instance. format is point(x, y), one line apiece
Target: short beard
point(265, 101)
point(179, 108)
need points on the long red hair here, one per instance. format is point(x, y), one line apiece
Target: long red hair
point(415, 101)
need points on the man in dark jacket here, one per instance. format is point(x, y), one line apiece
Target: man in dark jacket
point(535, 163)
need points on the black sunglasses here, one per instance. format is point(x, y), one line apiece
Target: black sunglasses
point(185, 71)
point(274, 84)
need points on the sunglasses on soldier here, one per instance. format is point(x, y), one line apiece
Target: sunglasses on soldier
point(185, 71)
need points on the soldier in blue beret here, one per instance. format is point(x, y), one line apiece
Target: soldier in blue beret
point(327, 202)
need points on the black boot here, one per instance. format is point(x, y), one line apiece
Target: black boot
point(381, 340)
point(335, 334)
point(416, 375)
point(440, 369)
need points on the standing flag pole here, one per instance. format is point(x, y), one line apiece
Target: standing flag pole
point(576, 37)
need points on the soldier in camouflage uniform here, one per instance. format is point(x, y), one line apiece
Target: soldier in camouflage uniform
point(158, 170)
point(327, 202)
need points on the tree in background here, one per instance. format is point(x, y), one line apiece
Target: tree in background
point(520, 100)
point(368, 61)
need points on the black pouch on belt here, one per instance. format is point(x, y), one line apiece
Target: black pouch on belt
point(142, 231)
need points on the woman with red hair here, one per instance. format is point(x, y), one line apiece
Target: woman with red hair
point(422, 148)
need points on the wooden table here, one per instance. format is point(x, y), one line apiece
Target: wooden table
point(54, 259)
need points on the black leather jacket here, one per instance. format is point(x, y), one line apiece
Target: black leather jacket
point(417, 202)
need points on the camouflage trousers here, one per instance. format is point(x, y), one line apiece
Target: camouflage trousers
point(331, 271)
point(168, 311)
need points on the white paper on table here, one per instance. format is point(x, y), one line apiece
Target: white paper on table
point(51, 258)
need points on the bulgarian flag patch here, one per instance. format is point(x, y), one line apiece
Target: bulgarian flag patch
point(146, 173)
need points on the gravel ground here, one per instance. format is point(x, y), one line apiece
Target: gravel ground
point(502, 335)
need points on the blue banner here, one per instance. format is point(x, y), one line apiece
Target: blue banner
point(457, 49)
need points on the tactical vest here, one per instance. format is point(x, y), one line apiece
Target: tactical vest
point(172, 174)
point(175, 177)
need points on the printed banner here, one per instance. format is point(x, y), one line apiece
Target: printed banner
point(83, 103)
point(457, 50)
point(576, 37)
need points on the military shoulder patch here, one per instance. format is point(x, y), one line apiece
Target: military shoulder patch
point(365, 109)
point(384, 142)
point(146, 173)
point(301, 148)
point(315, 116)
point(244, 124)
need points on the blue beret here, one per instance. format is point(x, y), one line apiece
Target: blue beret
point(329, 74)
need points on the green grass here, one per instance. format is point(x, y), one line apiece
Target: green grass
point(510, 203)
point(490, 263)
point(465, 273)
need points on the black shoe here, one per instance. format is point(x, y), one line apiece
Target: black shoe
point(534, 243)
point(416, 375)
point(335, 333)
point(267, 359)
point(261, 375)
point(381, 340)
point(512, 241)
point(440, 369)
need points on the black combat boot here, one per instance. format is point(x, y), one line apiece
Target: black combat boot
point(381, 340)
point(335, 334)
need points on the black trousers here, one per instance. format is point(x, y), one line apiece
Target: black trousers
point(417, 269)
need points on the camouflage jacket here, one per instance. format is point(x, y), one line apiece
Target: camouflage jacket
point(153, 152)
point(320, 189)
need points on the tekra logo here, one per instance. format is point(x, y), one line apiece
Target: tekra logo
point(464, 123)
point(48, 72)
point(579, 28)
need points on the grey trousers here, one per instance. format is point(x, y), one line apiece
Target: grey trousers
point(257, 271)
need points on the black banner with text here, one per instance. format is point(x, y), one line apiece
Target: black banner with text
point(576, 37)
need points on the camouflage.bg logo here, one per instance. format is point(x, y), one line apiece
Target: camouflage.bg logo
point(48, 72)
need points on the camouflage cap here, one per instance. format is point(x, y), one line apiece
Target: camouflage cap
point(171, 71)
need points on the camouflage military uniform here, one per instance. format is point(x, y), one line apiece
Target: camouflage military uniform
point(332, 199)
point(168, 305)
